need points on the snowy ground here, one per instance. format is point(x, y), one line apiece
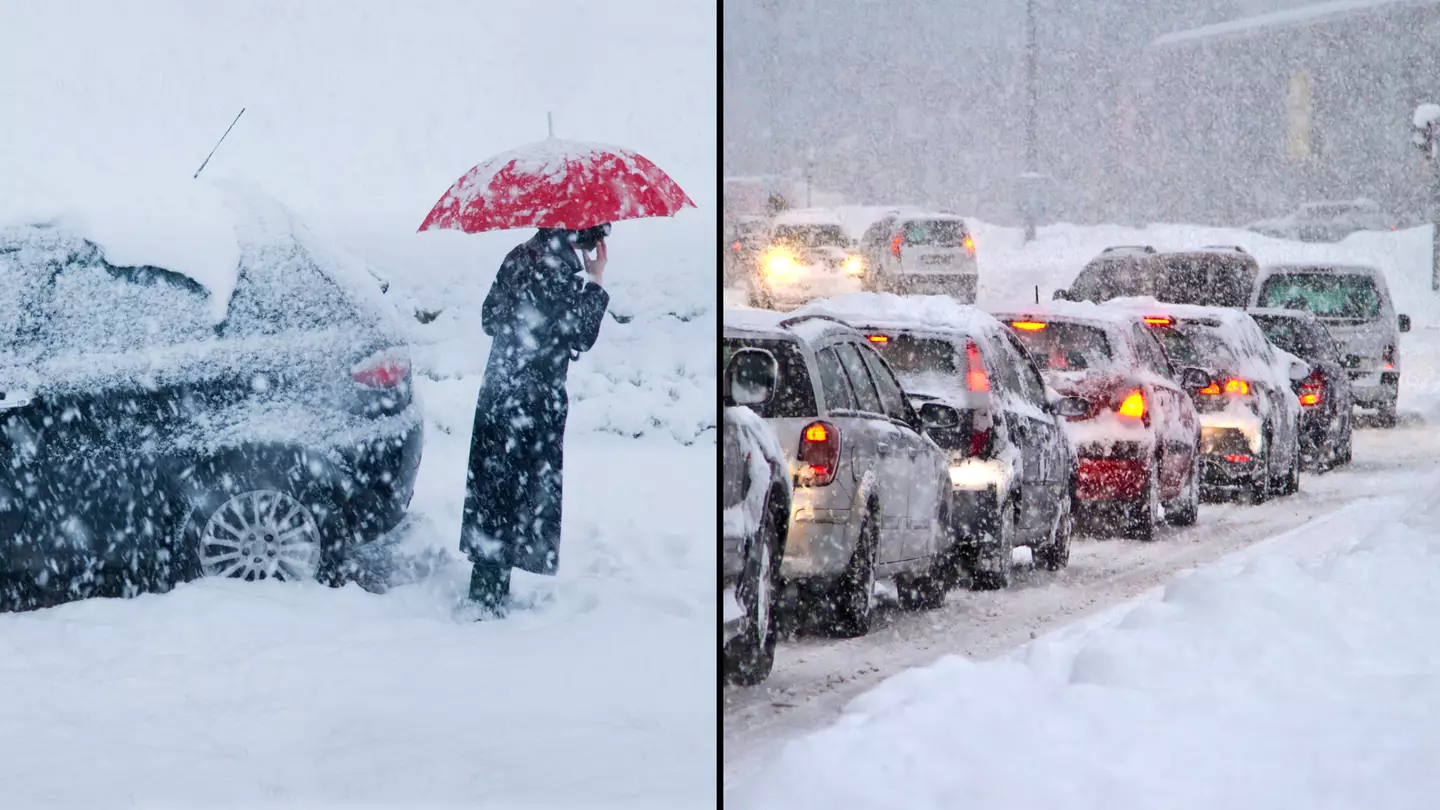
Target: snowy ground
point(601, 693)
point(1135, 716)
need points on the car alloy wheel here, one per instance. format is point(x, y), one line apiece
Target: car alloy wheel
point(261, 534)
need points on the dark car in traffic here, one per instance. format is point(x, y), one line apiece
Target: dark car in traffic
point(1325, 398)
point(152, 434)
point(1214, 275)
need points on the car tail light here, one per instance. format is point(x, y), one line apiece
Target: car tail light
point(382, 370)
point(877, 338)
point(1028, 326)
point(975, 377)
point(1234, 387)
point(1312, 390)
point(969, 244)
point(1157, 320)
point(1133, 405)
point(735, 247)
point(895, 245)
point(1237, 459)
point(979, 442)
point(1388, 356)
point(819, 454)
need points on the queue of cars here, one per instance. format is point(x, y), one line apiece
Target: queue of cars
point(925, 439)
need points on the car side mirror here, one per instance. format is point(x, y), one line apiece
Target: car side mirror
point(1404, 323)
point(1299, 370)
point(751, 377)
point(1060, 295)
point(1350, 361)
point(1193, 379)
point(1071, 407)
point(936, 416)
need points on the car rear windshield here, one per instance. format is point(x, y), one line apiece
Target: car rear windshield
point(1193, 344)
point(1108, 278)
point(794, 391)
point(1204, 279)
point(1325, 294)
point(1064, 346)
point(934, 232)
point(1308, 341)
point(911, 355)
point(811, 236)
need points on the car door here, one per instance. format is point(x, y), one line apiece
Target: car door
point(922, 471)
point(1052, 451)
point(1028, 428)
point(1172, 414)
point(888, 462)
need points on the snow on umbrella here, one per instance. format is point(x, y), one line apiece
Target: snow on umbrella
point(557, 184)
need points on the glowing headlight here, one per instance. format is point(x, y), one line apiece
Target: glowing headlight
point(779, 265)
point(854, 265)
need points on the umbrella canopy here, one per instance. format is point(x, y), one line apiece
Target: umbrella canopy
point(557, 184)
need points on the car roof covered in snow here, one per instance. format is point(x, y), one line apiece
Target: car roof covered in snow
point(1276, 312)
point(1072, 311)
point(741, 319)
point(1340, 269)
point(1147, 305)
point(805, 326)
point(920, 216)
point(808, 216)
point(935, 313)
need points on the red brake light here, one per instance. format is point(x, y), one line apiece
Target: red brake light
point(895, 245)
point(969, 244)
point(975, 377)
point(1312, 390)
point(1236, 387)
point(1133, 405)
point(1157, 320)
point(1388, 356)
point(1028, 326)
point(1237, 459)
point(877, 338)
point(736, 247)
point(979, 441)
point(381, 372)
point(819, 454)
point(1212, 388)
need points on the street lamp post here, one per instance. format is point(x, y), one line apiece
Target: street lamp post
point(1030, 167)
point(1426, 123)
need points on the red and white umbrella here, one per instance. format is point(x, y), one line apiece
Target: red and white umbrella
point(557, 184)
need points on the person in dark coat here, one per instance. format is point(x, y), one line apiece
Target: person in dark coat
point(542, 314)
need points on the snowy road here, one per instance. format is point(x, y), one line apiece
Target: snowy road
point(814, 677)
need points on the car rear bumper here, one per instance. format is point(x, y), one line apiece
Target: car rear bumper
point(974, 516)
point(1227, 458)
point(819, 543)
point(1108, 479)
point(1374, 388)
point(957, 284)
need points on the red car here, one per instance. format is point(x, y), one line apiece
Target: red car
point(1139, 442)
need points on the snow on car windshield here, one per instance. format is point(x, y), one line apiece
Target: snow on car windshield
point(811, 236)
point(1057, 346)
point(1326, 295)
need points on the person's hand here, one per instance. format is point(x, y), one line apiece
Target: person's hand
point(596, 266)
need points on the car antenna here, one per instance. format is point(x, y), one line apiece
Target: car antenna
point(217, 145)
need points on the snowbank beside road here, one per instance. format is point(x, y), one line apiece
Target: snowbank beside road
point(1304, 672)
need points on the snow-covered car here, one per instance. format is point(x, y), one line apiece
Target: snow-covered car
point(809, 256)
point(1213, 276)
point(1139, 441)
point(1012, 469)
point(1328, 221)
point(755, 497)
point(1249, 412)
point(921, 253)
point(1354, 303)
point(871, 495)
point(154, 429)
point(745, 239)
point(1325, 397)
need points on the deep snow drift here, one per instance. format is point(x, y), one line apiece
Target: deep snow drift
point(1300, 673)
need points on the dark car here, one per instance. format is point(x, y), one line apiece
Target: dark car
point(1215, 276)
point(755, 496)
point(1139, 441)
point(151, 434)
point(1325, 397)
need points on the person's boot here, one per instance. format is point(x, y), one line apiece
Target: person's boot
point(490, 588)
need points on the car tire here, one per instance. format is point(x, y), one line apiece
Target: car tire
point(1144, 513)
point(1187, 509)
point(1055, 554)
point(850, 604)
point(991, 572)
point(750, 656)
point(1259, 490)
point(926, 591)
point(1385, 414)
point(1291, 483)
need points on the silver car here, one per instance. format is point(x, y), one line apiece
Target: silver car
point(1354, 303)
point(872, 491)
point(914, 253)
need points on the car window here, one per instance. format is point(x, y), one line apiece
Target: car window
point(1211, 279)
point(934, 232)
point(907, 354)
point(811, 236)
point(866, 398)
point(1324, 294)
point(96, 307)
point(833, 381)
point(879, 233)
point(1002, 362)
point(1303, 339)
point(1189, 344)
point(1060, 346)
point(794, 391)
point(891, 397)
point(1104, 279)
point(1032, 386)
point(1151, 356)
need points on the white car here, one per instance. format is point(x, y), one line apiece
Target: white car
point(1354, 303)
point(809, 256)
point(1328, 221)
point(921, 253)
point(872, 491)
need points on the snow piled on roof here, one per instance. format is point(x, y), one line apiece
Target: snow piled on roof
point(752, 320)
point(808, 216)
point(1426, 115)
point(1304, 15)
point(1072, 310)
point(887, 309)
